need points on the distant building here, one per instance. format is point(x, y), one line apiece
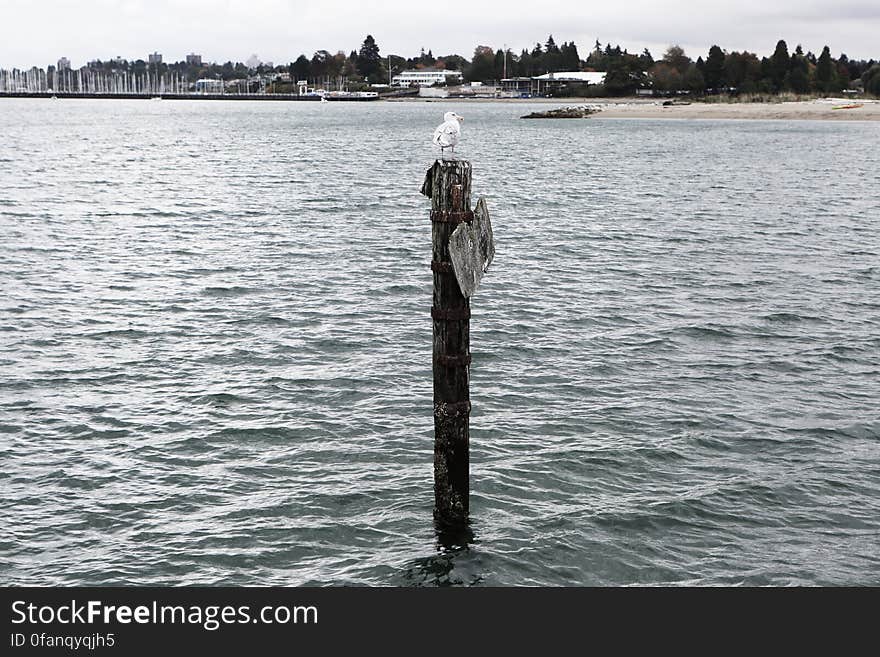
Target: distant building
point(64, 64)
point(425, 77)
point(518, 86)
point(208, 86)
point(193, 60)
point(590, 77)
point(253, 62)
point(155, 58)
point(547, 83)
point(540, 85)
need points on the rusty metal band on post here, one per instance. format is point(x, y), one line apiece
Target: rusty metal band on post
point(442, 267)
point(449, 217)
point(451, 315)
point(453, 361)
point(451, 409)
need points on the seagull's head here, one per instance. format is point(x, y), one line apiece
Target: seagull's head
point(452, 116)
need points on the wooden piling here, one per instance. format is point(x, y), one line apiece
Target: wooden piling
point(448, 183)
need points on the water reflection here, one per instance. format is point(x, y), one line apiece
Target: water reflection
point(452, 536)
point(456, 562)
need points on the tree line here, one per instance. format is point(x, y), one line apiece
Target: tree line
point(719, 71)
point(737, 71)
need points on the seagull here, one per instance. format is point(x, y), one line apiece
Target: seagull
point(447, 133)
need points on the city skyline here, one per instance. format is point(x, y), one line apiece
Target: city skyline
point(280, 31)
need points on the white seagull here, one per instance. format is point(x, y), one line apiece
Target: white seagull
point(447, 133)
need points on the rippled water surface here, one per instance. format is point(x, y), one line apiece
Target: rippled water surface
point(215, 348)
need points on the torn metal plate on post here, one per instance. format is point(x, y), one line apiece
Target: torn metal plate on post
point(472, 249)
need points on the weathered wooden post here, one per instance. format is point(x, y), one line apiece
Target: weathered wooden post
point(448, 184)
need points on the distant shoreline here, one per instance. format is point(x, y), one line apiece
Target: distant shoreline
point(823, 109)
point(826, 109)
point(653, 108)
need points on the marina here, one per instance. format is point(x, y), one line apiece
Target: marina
point(336, 96)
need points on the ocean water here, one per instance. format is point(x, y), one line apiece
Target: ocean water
point(215, 348)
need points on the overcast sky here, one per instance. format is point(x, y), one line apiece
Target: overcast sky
point(38, 32)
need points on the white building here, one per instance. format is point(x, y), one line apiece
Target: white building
point(209, 86)
point(549, 83)
point(425, 78)
point(588, 77)
point(64, 64)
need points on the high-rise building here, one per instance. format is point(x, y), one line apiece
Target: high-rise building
point(155, 58)
point(193, 60)
point(64, 64)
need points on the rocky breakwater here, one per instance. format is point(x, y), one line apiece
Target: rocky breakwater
point(576, 112)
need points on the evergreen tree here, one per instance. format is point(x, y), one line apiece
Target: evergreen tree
point(713, 69)
point(499, 64)
point(798, 78)
point(778, 65)
point(525, 67)
point(596, 60)
point(853, 67)
point(301, 69)
point(571, 60)
point(825, 78)
point(552, 58)
point(369, 61)
point(871, 80)
point(347, 64)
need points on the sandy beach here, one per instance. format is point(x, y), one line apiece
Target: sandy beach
point(821, 109)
